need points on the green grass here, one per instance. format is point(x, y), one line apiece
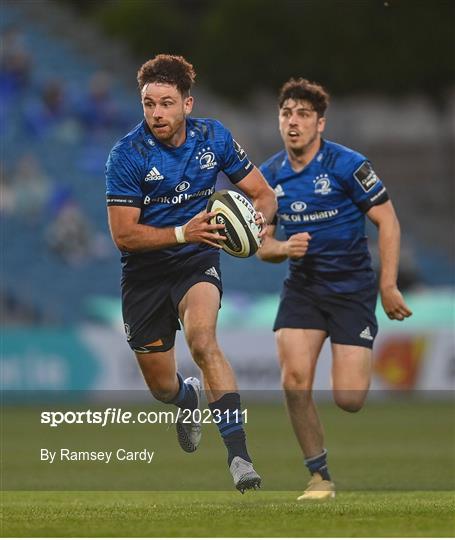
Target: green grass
point(218, 514)
point(393, 464)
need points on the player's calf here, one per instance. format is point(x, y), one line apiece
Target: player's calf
point(227, 415)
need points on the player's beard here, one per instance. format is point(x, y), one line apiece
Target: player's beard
point(170, 132)
point(303, 148)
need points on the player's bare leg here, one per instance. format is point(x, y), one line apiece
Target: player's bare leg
point(351, 375)
point(160, 373)
point(298, 350)
point(198, 311)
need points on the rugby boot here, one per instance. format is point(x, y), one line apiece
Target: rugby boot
point(318, 489)
point(189, 432)
point(244, 475)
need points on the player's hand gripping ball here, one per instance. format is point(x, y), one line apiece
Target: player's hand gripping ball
point(238, 216)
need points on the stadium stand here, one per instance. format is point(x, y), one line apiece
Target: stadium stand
point(61, 113)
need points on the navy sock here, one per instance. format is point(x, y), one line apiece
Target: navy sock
point(227, 414)
point(186, 396)
point(318, 464)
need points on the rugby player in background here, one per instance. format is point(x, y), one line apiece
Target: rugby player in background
point(159, 178)
point(324, 191)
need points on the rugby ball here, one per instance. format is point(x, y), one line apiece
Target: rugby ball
point(237, 214)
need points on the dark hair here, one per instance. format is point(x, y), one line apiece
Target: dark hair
point(168, 69)
point(303, 89)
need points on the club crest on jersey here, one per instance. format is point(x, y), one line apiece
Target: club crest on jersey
point(153, 175)
point(322, 184)
point(206, 159)
point(298, 206)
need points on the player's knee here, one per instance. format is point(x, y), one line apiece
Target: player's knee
point(203, 347)
point(294, 380)
point(349, 401)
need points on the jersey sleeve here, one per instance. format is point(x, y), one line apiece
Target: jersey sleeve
point(364, 186)
point(265, 171)
point(235, 163)
point(123, 180)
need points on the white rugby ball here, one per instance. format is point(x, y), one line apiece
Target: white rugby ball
point(237, 214)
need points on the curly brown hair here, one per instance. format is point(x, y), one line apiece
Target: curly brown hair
point(303, 89)
point(168, 69)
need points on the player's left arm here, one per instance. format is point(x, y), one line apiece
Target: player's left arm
point(262, 195)
point(385, 218)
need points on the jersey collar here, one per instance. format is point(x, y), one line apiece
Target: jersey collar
point(286, 163)
point(151, 140)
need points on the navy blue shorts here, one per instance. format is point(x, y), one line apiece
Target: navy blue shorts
point(349, 319)
point(150, 307)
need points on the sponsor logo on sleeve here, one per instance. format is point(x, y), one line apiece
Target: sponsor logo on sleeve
point(241, 154)
point(120, 201)
point(378, 195)
point(366, 176)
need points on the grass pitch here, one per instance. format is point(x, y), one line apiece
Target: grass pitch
point(393, 464)
point(221, 514)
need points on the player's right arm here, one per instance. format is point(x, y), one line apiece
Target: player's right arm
point(124, 174)
point(276, 251)
point(130, 235)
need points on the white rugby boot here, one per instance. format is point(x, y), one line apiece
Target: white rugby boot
point(189, 432)
point(244, 475)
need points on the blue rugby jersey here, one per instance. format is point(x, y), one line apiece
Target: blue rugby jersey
point(328, 199)
point(170, 185)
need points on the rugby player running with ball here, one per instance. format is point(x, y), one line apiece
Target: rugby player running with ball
point(159, 178)
point(324, 191)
